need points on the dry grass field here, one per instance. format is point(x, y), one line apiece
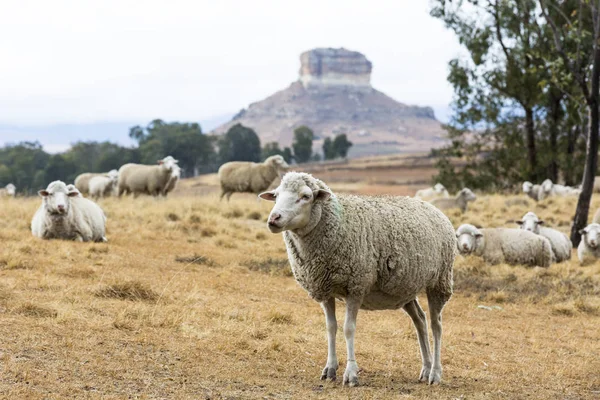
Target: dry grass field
point(194, 299)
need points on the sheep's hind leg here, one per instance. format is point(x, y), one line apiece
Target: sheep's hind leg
point(332, 363)
point(351, 373)
point(436, 299)
point(416, 313)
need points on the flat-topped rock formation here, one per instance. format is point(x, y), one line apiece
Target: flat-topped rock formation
point(334, 95)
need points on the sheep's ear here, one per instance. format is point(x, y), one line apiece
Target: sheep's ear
point(582, 232)
point(478, 235)
point(540, 222)
point(269, 196)
point(321, 195)
point(519, 222)
point(160, 162)
point(43, 193)
point(73, 194)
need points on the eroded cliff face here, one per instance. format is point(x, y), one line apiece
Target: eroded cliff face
point(333, 95)
point(335, 67)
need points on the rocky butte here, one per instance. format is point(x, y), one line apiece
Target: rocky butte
point(333, 95)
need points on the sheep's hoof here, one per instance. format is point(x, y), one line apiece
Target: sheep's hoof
point(435, 376)
point(328, 374)
point(350, 377)
point(424, 377)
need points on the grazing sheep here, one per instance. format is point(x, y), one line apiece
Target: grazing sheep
point(438, 190)
point(65, 214)
point(376, 253)
point(172, 183)
point(561, 245)
point(82, 181)
point(8, 190)
point(532, 190)
point(504, 245)
point(549, 189)
point(460, 201)
point(146, 179)
point(103, 186)
point(588, 250)
point(249, 177)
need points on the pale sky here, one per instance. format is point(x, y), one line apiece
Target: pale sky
point(72, 62)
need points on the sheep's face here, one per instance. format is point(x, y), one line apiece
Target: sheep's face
point(439, 188)
point(169, 163)
point(530, 222)
point(468, 195)
point(547, 186)
point(278, 162)
point(113, 174)
point(293, 206)
point(591, 235)
point(467, 238)
point(11, 189)
point(527, 186)
point(56, 198)
point(72, 188)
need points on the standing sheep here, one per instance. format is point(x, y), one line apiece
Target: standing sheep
point(549, 189)
point(82, 181)
point(504, 245)
point(146, 179)
point(460, 201)
point(376, 253)
point(438, 190)
point(65, 214)
point(9, 190)
point(561, 245)
point(249, 177)
point(103, 186)
point(532, 190)
point(588, 250)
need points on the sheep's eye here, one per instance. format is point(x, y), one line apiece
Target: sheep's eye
point(306, 197)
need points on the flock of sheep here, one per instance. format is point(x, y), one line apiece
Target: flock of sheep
point(375, 253)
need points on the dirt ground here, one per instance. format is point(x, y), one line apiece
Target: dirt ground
point(192, 298)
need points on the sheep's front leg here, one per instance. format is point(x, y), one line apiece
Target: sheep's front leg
point(351, 373)
point(332, 362)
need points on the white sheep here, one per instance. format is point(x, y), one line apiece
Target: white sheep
point(65, 214)
point(561, 245)
point(504, 245)
point(588, 250)
point(438, 190)
point(104, 186)
point(9, 190)
point(549, 189)
point(145, 179)
point(249, 177)
point(376, 253)
point(459, 201)
point(532, 190)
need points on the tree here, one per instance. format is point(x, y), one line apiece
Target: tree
point(328, 150)
point(341, 145)
point(302, 144)
point(239, 144)
point(576, 31)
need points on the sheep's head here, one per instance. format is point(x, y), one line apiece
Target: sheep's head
point(298, 201)
point(547, 185)
point(530, 222)
point(467, 194)
point(55, 198)
point(439, 188)
point(113, 174)
point(591, 235)
point(527, 186)
point(11, 189)
point(468, 238)
point(278, 162)
point(169, 163)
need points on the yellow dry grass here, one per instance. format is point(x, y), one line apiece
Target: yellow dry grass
point(192, 298)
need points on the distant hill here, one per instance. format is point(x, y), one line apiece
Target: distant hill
point(334, 95)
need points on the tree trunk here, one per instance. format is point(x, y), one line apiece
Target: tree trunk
point(553, 129)
point(531, 153)
point(591, 156)
point(568, 170)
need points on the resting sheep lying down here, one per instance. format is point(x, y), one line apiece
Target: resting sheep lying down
point(65, 214)
point(504, 245)
point(460, 201)
point(438, 190)
point(376, 253)
point(561, 245)
point(588, 250)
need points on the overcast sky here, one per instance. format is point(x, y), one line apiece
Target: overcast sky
point(71, 62)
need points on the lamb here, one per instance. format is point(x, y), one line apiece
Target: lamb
point(103, 186)
point(173, 180)
point(504, 245)
point(549, 189)
point(248, 177)
point(589, 250)
point(532, 190)
point(438, 190)
point(376, 253)
point(65, 214)
point(460, 201)
point(82, 181)
point(560, 243)
point(8, 191)
point(145, 179)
